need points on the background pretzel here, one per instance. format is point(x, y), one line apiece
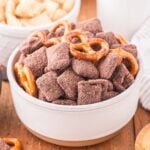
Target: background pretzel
point(67, 26)
point(40, 34)
point(81, 35)
point(121, 39)
point(26, 79)
point(126, 55)
point(84, 50)
point(55, 40)
point(13, 142)
point(50, 42)
point(43, 36)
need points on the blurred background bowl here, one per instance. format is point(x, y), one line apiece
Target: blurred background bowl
point(11, 36)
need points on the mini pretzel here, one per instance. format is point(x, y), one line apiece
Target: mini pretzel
point(67, 26)
point(13, 142)
point(121, 39)
point(83, 50)
point(25, 79)
point(52, 41)
point(126, 55)
point(40, 34)
point(77, 34)
point(43, 36)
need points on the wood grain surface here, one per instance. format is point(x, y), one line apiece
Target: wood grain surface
point(10, 126)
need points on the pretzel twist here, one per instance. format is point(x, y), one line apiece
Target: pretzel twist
point(25, 79)
point(43, 36)
point(84, 50)
point(121, 39)
point(55, 40)
point(126, 55)
point(67, 26)
point(13, 142)
point(40, 34)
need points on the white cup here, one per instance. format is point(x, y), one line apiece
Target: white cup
point(123, 16)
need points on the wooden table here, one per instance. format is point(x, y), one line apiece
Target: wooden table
point(10, 126)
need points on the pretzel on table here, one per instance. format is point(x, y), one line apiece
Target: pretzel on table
point(25, 78)
point(126, 55)
point(13, 142)
point(84, 50)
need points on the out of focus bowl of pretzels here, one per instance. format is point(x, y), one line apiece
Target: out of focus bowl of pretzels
point(75, 84)
point(18, 18)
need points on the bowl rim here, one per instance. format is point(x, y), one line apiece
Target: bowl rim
point(67, 108)
point(77, 4)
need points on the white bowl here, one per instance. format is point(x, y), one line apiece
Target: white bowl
point(11, 36)
point(73, 125)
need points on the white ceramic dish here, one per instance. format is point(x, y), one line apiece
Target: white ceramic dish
point(11, 36)
point(73, 125)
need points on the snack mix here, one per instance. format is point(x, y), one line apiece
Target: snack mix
point(76, 64)
point(10, 144)
point(33, 12)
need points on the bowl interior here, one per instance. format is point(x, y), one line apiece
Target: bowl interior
point(14, 57)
